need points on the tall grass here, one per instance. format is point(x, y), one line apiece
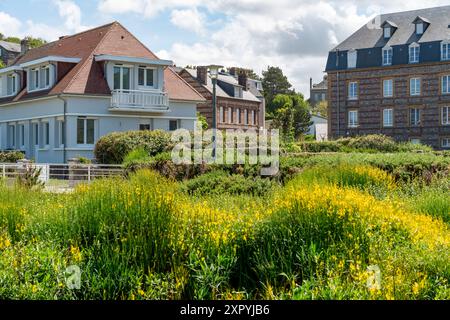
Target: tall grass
point(143, 238)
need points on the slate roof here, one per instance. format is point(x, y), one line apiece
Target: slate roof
point(247, 95)
point(86, 77)
point(10, 46)
point(438, 30)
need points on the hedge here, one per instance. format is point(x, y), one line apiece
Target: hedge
point(11, 156)
point(112, 148)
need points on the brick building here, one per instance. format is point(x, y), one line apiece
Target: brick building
point(240, 103)
point(392, 77)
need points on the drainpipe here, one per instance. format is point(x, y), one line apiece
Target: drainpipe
point(65, 127)
point(338, 95)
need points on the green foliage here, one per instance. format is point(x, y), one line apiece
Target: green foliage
point(136, 156)
point(32, 42)
point(28, 178)
point(274, 82)
point(291, 116)
point(221, 182)
point(202, 120)
point(112, 148)
point(11, 156)
point(321, 109)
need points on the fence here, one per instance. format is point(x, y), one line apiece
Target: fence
point(62, 175)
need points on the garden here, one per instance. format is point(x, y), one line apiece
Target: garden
point(356, 223)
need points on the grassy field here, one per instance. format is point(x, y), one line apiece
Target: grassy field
point(318, 236)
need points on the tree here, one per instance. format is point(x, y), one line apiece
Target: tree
point(321, 109)
point(274, 83)
point(202, 121)
point(32, 42)
point(2, 65)
point(292, 116)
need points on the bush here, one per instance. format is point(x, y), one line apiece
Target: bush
point(220, 182)
point(11, 156)
point(135, 156)
point(112, 148)
point(374, 142)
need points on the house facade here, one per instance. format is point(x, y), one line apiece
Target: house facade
point(240, 103)
point(9, 52)
point(56, 101)
point(318, 92)
point(392, 77)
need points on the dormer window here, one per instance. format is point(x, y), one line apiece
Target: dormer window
point(414, 53)
point(9, 84)
point(419, 28)
point(421, 25)
point(238, 93)
point(146, 77)
point(445, 50)
point(40, 78)
point(389, 28)
point(387, 56)
point(352, 57)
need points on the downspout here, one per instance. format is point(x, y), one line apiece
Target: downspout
point(338, 95)
point(65, 127)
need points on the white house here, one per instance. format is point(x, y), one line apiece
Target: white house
point(56, 101)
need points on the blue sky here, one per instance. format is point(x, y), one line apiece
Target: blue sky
point(295, 35)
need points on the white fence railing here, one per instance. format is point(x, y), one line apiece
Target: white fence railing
point(148, 100)
point(72, 174)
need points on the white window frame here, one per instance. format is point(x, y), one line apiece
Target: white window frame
point(238, 116)
point(145, 86)
point(387, 32)
point(417, 117)
point(445, 50)
point(413, 89)
point(21, 133)
point(353, 88)
point(388, 53)
point(388, 118)
point(122, 67)
point(388, 88)
point(230, 115)
point(61, 128)
point(353, 119)
point(221, 115)
point(12, 136)
point(420, 28)
point(245, 116)
point(445, 142)
point(85, 131)
point(414, 53)
point(445, 114)
point(44, 78)
point(445, 89)
point(352, 59)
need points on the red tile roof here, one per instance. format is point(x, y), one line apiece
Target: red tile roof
point(87, 77)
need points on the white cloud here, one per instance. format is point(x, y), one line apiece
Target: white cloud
point(9, 25)
point(189, 19)
point(71, 12)
point(148, 8)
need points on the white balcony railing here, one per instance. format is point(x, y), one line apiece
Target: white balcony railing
point(140, 100)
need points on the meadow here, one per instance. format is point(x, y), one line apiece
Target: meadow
point(318, 234)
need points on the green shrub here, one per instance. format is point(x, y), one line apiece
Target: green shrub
point(11, 156)
point(112, 148)
point(135, 156)
point(325, 146)
point(221, 182)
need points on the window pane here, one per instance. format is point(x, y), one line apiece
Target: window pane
point(90, 131)
point(47, 77)
point(150, 77)
point(144, 127)
point(47, 133)
point(36, 134)
point(80, 131)
point(141, 76)
point(126, 78)
point(173, 125)
point(62, 133)
point(116, 78)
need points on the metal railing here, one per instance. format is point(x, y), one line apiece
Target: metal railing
point(138, 99)
point(62, 175)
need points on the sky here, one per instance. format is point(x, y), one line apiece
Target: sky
point(295, 35)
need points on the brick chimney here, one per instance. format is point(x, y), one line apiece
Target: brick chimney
point(243, 80)
point(233, 72)
point(202, 75)
point(24, 46)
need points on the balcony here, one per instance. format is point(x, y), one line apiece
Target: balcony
point(139, 101)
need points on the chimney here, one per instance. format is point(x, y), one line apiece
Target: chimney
point(202, 75)
point(233, 72)
point(24, 46)
point(243, 80)
point(310, 83)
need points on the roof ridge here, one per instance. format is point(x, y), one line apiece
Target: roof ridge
point(89, 57)
point(415, 10)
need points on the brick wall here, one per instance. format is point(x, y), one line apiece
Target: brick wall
point(370, 103)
